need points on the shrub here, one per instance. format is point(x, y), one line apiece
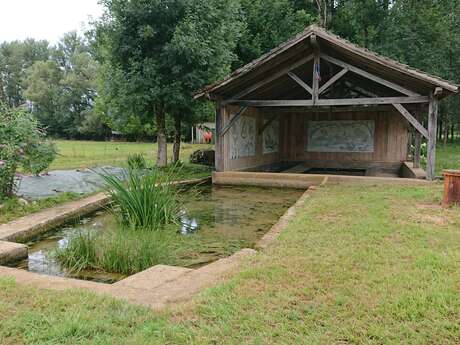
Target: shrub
point(136, 162)
point(22, 144)
point(144, 201)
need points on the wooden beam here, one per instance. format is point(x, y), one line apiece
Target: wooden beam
point(329, 102)
point(371, 101)
point(265, 125)
point(333, 80)
point(360, 90)
point(219, 146)
point(315, 77)
point(273, 77)
point(370, 76)
point(432, 128)
point(300, 82)
point(417, 142)
point(314, 43)
point(408, 116)
point(233, 120)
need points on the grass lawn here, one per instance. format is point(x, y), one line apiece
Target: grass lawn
point(14, 208)
point(86, 154)
point(358, 265)
point(447, 157)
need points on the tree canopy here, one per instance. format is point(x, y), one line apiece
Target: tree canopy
point(145, 58)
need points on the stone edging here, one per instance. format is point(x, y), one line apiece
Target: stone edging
point(160, 285)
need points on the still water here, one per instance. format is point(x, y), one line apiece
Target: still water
point(223, 218)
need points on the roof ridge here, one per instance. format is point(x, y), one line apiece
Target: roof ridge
point(329, 36)
point(379, 56)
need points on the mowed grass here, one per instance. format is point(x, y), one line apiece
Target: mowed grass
point(15, 208)
point(447, 157)
point(75, 154)
point(358, 265)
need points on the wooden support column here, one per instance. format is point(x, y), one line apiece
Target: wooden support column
point(219, 144)
point(417, 142)
point(432, 128)
point(316, 69)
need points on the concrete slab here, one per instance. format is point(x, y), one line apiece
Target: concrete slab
point(153, 277)
point(12, 252)
point(303, 181)
point(25, 228)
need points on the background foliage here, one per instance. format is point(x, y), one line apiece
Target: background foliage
point(147, 57)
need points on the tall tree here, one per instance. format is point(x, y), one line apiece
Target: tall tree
point(267, 24)
point(157, 52)
point(62, 90)
point(15, 58)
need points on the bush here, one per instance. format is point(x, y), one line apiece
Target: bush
point(144, 201)
point(22, 144)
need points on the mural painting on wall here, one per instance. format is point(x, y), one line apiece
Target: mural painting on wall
point(340, 136)
point(271, 137)
point(243, 138)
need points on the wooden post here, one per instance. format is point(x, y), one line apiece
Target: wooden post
point(417, 142)
point(432, 128)
point(219, 145)
point(316, 71)
point(316, 68)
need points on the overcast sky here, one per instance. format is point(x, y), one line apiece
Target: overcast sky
point(44, 19)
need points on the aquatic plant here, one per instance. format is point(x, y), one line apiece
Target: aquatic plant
point(119, 250)
point(144, 200)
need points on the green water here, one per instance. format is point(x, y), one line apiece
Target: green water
point(220, 219)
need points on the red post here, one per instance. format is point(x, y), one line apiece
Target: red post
point(451, 187)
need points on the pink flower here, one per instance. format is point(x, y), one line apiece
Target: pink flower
point(2, 163)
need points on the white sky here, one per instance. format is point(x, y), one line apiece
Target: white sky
point(44, 19)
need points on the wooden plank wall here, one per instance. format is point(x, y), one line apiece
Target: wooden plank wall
point(390, 141)
point(246, 162)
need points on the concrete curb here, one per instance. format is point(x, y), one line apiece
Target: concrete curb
point(157, 287)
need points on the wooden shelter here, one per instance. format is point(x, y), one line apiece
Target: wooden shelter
point(318, 103)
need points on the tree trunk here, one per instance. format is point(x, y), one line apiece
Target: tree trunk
point(177, 137)
point(446, 133)
point(162, 154)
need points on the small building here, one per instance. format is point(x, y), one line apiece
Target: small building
point(320, 104)
point(203, 133)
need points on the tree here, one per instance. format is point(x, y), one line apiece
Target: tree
point(43, 89)
point(268, 23)
point(62, 89)
point(15, 58)
point(156, 53)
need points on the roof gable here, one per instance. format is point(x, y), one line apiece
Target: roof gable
point(299, 47)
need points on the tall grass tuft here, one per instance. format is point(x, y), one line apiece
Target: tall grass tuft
point(136, 161)
point(119, 250)
point(144, 200)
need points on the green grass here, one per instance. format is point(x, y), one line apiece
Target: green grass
point(120, 250)
point(358, 265)
point(86, 154)
point(447, 157)
point(13, 208)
